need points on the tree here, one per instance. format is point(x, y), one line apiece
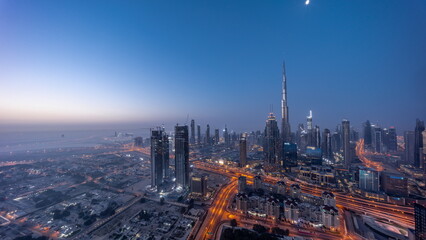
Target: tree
point(234, 223)
point(260, 229)
point(279, 231)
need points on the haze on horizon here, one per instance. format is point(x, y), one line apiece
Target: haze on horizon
point(70, 64)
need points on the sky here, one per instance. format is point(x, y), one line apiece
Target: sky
point(147, 63)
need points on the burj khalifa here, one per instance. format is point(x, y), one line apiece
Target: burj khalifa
point(285, 124)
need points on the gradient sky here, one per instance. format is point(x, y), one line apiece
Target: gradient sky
point(151, 62)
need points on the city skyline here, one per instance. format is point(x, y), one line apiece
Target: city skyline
point(77, 73)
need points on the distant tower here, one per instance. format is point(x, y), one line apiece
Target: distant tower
point(216, 136)
point(208, 140)
point(378, 142)
point(418, 143)
point(367, 134)
point(317, 135)
point(226, 136)
point(242, 184)
point(199, 141)
point(182, 156)
point(326, 144)
point(272, 141)
point(392, 143)
point(243, 152)
point(285, 123)
point(420, 221)
point(159, 157)
point(409, 146)
point(310, 130)
point(192, 140)
point(346, 143)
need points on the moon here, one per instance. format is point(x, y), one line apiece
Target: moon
point(307, 2)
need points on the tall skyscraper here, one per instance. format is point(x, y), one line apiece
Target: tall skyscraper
point(208, 139)
point(377, 139)
point(199, 140)
point(159, 157)
point(336, 142)
point(285, 123)
point(310, 130)
point(216, 136)
point(367, 135)
point(389, 139)
point(243, 151)
point(369, 179)
point(418, 143)
point(326, 144)
point(423, 153)
point(182, 156)
point(226, 136)
point(409, 146)
point(420, 221)
point(317, 137)
point(272, 141)
point(346, 143)
point(192, 139)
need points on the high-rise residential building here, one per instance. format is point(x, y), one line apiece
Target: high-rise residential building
point(317, 137)
point(285, 122)
point(367, 135)
point(257, 182)
point(271, 146)
point(409, 146)
point(159, 157)
point(242, 184)
point(208, 139)
point(394, 184)
point(138, 142)
point(226, 136)
point(310, 130)
point(216, 136)
point(369, 179)
point(298, 137)
point(391, 140)
point(326, 144)
point(182, 156)
point(199, 185)
point(377, 139)
point(418, 143)
point(199, 140)
point(192, 139)
point(346, 143)
point(420, 221)
point(289, 156)
point(424, 152)
point(243, 151)
point(336, 142)
point(354, 135)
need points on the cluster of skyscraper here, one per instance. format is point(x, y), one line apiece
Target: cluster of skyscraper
point(208, 139)
point(281, 149)
point(160, 170)
point(161, 145)
point(379, 140)
point(414, 143)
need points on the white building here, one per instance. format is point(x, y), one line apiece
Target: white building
point(330, 217)
point(291, 211)
point(273, 208)
point(329, 199)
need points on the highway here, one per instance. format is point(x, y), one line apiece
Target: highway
point(403, 215)
point(218, 211)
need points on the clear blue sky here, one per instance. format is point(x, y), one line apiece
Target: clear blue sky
point(153, 62)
